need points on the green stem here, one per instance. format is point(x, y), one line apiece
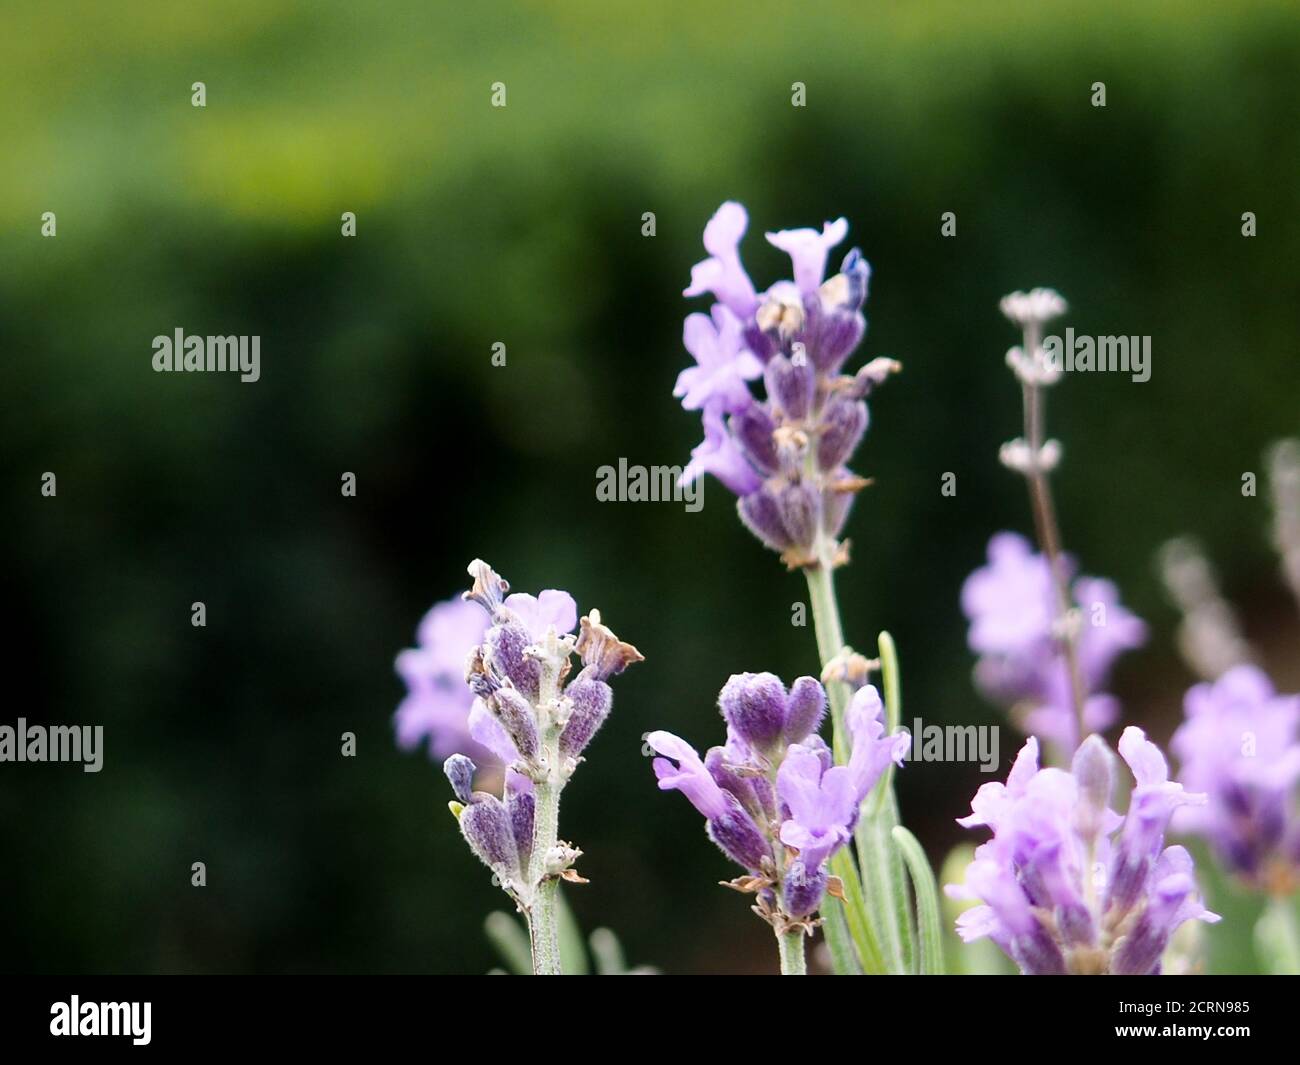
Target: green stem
point(793, 962)
point(830, 641)
point(543, 929)
point(543, 909)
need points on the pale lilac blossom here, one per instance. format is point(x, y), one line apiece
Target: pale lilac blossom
point(1066, 884)
point(1011, 604)
point(1240, 744)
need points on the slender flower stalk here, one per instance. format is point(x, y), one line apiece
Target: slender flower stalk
point(537, 722)
point(793, 961)
point(1210, 638)
point(1284, 483)
point(1035, 457)
point(830, 646)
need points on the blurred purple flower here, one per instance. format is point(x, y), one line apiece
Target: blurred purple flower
point(436, 708)
point(1241, 745)
point(724, 364)
point(1067, 885)
point(1011, 605)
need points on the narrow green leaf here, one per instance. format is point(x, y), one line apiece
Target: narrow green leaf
point(927, 901)
point(868, 957)
point(607, 952)
point(510, 939)
point(573, 951)
point(844, 959)
point(883, 876)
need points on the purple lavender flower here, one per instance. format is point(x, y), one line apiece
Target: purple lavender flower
point(772, 800)
point(1011, 605)
point(436, 708)
point(785, 457)
point(719, 455)
point(1066, 884)
point(1241, 745)
point(537, 721)
point(724, 363)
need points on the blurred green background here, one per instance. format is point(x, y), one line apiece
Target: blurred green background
point(523, 225)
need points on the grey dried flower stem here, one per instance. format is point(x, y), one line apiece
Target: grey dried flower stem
point(1035, 457)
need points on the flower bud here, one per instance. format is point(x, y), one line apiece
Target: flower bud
point(790, 384)
point(741, 785)
point(752, 430)
point(460, 771)
point(838, 333)
point(738, 837)
point(1094, 770)
point(842, 425)
point(804, 709)
point(753, 705)
point(762, 516)
point(505, 644)
point(516, 717)
point(803, 890)
point(591, 700)
point(800, 507)
point(487, 829)
point(520, 807)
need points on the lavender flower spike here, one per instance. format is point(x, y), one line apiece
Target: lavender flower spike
point(1066, 884)
point(784, 457)
point(1024, 661)
point(538, 726)
point(771, 798)
point(1241, 745)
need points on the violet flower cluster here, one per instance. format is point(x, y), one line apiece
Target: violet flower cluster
point(1011, 604)
point(785, 457)
point(772, 799)
point(1067, 885)
point(1240, 744)
point(536, 721)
